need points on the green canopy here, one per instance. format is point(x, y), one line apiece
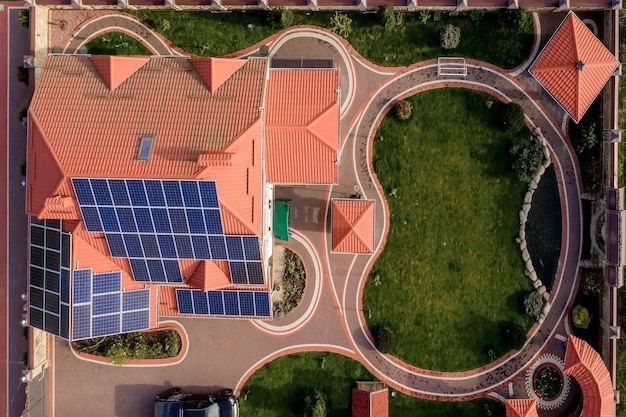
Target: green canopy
point(281, 219)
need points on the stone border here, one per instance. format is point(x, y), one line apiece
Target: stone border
point(555, 362)
point(523, 218)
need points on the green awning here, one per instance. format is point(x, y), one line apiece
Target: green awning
point(281, 219)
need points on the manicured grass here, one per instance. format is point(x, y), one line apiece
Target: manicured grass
point(116, 43)
point(451, 273)
point(621, 352)
point(215, 34)
point(276, 390)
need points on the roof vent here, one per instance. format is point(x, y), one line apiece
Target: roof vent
point(580, 65)
point(145, 147)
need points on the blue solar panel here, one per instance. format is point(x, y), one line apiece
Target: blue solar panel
point(126, 219)
point(92, 219)
point(178, 219)
point(216, 302)
point(251, 248)
point(183, 246)
point(185, 304)
point(109, 282)
point(196, 221)
point(81, 322)
point(135, 320)
point(168, 249)
point(119, 193)
point(238, 272)
point(191, 193)
point(133, 245)
point(235, 248)
point(246, 303)
point(66, 249)
point(150, 246)
point(200, 247)
point(157, 273)
point(172, 193)
point(172, 271)
point(101, 191)
point(218, 247)
point(231, 303)
point(137, 192)
point(208, 194)
point(109, 219)
point(200, 305)
point(65, 286)
point(213, 221)
point(262, 303)
point(135, 300)
point(144, 220)
point(161, 220)
point(116, 245)
point(255, 273)
point(155, 193)
point(83, 192)
point(105, 325)
point(105, 304)
point(140, 270)
point(82, 286)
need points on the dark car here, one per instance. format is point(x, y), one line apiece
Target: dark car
point(176, 403)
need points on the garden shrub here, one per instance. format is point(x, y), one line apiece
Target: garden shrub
point(526, 158)
point(315, 403)
point(424, 17)
point(387, 16)
point(450, 36)
point(294, 281)
point(477, 14)
point(404, 109)
point(513, 335)
point(519, 20)
point(592, 281)
point(511, 117)
point(584, 137)
point(22, 75)
point(24, 17)
point(286, 18)
point(385, 340)
point(580, 317)
point(341, 24)
point(533, 304)
point(164, 26)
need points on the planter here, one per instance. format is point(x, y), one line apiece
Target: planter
point(548, 382)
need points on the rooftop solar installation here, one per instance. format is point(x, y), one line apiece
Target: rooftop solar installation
point(154, 223)
point(223, 303)
point(49, 277)
point(101, 308)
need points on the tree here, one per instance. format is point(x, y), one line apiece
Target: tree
point(341, 24)
point(513, 335)
point(580, 317)
point(533, 304)
point(24, 17)
point(592, 281)
point(286, 18)
point(403, 109)
point(585, 137)
point(387, 16)
point(511, 117)
point(527, 156)
point(315, 403)
point(385, 340)
point(450, 36)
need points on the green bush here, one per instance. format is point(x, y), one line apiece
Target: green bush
point(585, 137)
point(315, 403)
point(526, 158)
point(294, 282)
point(404, 109)
point(424, 17)
point(286, 18)
point(511, 117)
point(164, 25)
point(533, 304)
point(22, 74)
point(519, 20)
point(450, 36)
point(592, 281)
point(24, 359)
point(477, 14)
point(513, 335)
point(24, 17)
point(387, 16)
point(580, 317)
point(341, 24)
point(385, 340)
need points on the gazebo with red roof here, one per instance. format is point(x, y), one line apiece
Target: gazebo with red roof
point(370, 399)
point(352, 226)
point(574, 66)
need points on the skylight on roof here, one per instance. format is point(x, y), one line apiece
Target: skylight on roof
point(145, 147)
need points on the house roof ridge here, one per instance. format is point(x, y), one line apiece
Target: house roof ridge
point(114, 70)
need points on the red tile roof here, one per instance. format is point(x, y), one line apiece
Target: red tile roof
point(574, 66)
point(586, 365)
point(353, 226)
point(521, 408)
point(114, 70)
point(302, 126)
point(370, 404)
point(210, 275)
point(215, 71)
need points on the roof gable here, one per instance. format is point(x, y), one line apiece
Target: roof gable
point(114, 70)
point(521, 408)
point(210, 275)
point(574, 66)
point(370, 404)
point(353, 226)
point(215, 71)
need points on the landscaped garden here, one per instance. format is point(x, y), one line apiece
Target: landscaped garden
point(279, 388)
point(450, 280)
point(116, 43)
point(294, 282)
point(415, 37)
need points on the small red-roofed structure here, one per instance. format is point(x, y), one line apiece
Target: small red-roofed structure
point(574, 66)
point(370, 399)
point(352, 226)
point(521, 408)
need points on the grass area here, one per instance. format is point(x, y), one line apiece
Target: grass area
point(116, 43)
point(277, 390)
point(621, 352)
point(215, 34)
point(451, 273)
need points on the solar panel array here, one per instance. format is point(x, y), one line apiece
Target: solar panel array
point(49, 277)
point(101, 308)
point(223, 303)
point(156, 222)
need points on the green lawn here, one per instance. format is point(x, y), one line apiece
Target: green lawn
point(116, 43)
point(215, 34)
point(276, 390)
point(451, 273)
point(621, 352)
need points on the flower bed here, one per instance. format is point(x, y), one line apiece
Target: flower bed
point(294, 281)
point(548, 382)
